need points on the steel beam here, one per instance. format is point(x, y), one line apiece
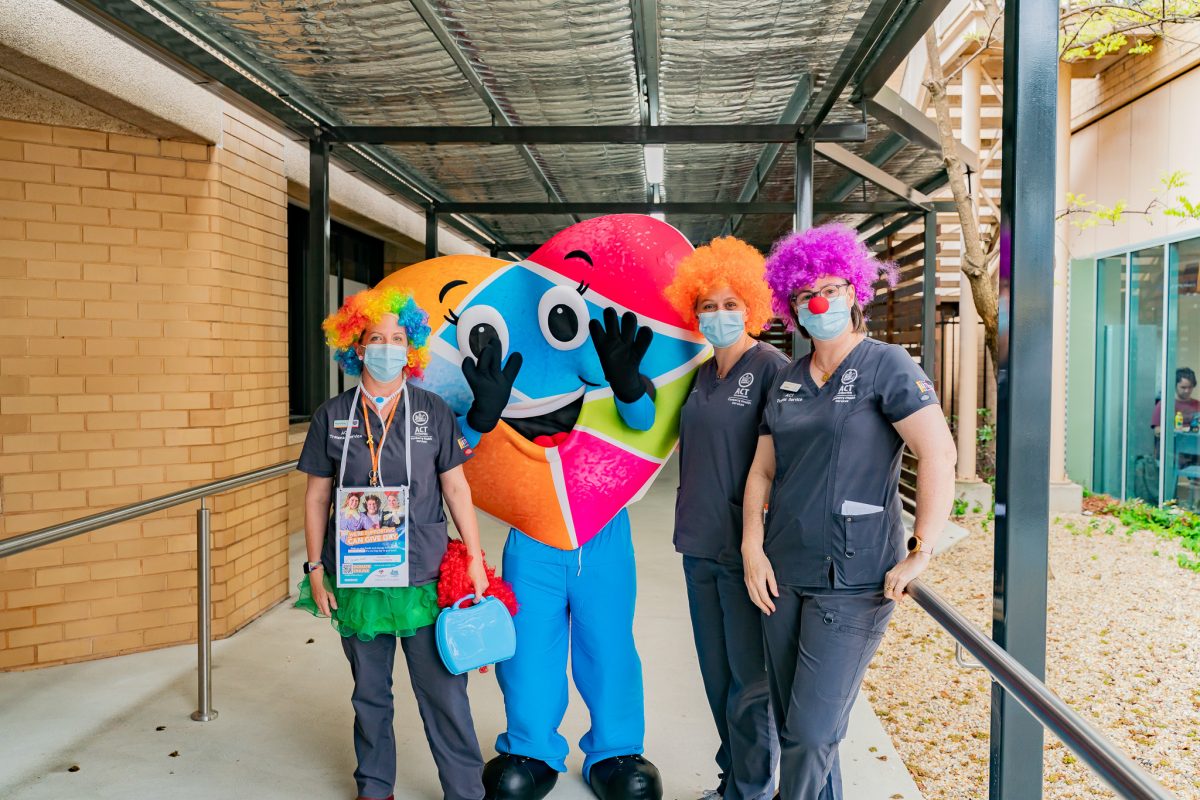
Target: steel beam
point(431, 232)
point(645, 55)
point(917, 18)
point(929, 297)
point(804, 186)
point(1023, 383)
point(878, 156)
point(872, 28)
point(499, 115)
point(801, 95)
point(803, 219)
point(315, 297)
point(910, 122)
point(677, 207)
point(591, 134)
point(887, 230)
point(177, 37)
point(865, 169)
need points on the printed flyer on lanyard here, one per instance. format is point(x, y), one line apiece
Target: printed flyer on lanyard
point(372, 520)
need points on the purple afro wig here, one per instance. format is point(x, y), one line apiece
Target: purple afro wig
point(798, 260)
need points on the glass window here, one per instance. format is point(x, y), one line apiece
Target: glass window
point(1110, 375)
point(1144, 369)
point(1181, 449)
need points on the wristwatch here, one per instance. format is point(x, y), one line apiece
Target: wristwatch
point(309, 566)
point(917, 545)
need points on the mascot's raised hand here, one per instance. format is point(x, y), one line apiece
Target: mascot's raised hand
point(490, 384)
point(621, 345)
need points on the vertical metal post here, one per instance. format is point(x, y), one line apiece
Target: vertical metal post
point(1024, 382)
point(804, 215)
point(431, 232)
point(929, 298)
point(205, 712)
point(316, 275)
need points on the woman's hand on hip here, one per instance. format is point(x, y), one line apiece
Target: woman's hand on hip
point(324, 599)
point(478, 575)
point(760, 578)
point(904, 573)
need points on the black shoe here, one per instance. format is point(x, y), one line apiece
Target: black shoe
point(509, 777)
point(626, 778)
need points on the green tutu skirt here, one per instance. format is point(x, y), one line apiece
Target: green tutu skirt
point(373, 611)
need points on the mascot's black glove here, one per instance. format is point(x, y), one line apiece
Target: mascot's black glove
point(490, 385)
point(621, 348)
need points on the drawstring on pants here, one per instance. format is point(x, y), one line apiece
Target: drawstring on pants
point(580, 571)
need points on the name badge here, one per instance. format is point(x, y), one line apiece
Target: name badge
point(790, 386)
point(372, 536)
point(342, 424)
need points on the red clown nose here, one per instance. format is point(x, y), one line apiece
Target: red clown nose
point(818, 304)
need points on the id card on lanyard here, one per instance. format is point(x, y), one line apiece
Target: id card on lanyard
point(372, 521)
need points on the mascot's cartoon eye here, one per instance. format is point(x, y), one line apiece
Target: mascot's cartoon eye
point(477, 326)
point(563, 316)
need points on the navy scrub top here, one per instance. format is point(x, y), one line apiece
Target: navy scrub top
point(437, 446)
point(718, 433)
point(835, 446)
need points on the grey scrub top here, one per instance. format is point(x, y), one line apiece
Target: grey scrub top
point(437, 446)
point(718, 432)
point(833, 517)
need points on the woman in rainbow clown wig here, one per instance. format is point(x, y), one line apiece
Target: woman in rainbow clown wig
point(719, 288)
point(830, 563)
point(360, 439)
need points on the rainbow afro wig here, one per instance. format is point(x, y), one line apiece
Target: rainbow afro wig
point(798, 260)
point(722, 262)
point(344, 327)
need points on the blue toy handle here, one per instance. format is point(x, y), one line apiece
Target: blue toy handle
point(458, 603)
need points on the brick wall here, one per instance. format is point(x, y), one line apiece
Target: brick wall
point(143, 349)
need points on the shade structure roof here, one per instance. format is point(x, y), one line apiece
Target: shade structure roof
point(320, 64)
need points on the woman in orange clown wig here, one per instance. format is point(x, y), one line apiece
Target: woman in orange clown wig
point(720, 288)
point(369, 437)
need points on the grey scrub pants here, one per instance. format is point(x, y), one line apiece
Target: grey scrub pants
point(819, 643)
point(442, 701)
point(729, 644)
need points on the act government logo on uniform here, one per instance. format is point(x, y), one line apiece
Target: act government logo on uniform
point(846, 391)
point(741, 395)
point(421, 418)
point(421, 430)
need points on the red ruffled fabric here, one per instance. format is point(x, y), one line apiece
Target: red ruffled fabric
point(454, 582)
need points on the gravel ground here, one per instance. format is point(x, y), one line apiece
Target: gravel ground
point(1123, 650)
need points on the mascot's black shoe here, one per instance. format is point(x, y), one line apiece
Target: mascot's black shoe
point(509, 777)
point(626, 778)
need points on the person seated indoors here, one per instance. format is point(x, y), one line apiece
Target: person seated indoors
point(1186, 406)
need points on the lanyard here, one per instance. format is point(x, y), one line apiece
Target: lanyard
point(373, 478)
point(377, 458)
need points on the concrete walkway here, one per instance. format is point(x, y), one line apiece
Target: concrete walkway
point(285, 719)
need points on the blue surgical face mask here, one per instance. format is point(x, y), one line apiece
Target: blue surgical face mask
point(384, 362)
point(829, 325)
point(722, 328)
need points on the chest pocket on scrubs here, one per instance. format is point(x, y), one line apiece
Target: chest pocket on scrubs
point(866, 547)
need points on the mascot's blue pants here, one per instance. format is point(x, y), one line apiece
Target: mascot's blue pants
point(580, 600)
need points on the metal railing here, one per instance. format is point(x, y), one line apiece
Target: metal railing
point(1115, 768)
point(1102, 756)
point(67, 530)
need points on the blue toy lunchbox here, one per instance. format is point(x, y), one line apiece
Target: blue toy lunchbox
point(474, 636)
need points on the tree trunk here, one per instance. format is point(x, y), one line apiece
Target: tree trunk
point(974, 255)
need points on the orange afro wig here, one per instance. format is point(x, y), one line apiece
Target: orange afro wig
point(722, 262)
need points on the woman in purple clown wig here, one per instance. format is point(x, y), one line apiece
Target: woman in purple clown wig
point(832, 558)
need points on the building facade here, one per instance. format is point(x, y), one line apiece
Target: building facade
point(147, 229)
point(1133, 425)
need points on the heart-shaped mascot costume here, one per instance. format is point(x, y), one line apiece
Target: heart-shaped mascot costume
point(568, 371)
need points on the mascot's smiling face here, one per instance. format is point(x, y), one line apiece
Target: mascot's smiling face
point(594, 464)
